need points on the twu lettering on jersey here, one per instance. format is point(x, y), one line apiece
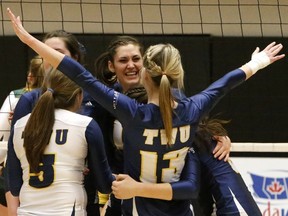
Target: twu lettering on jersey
point(150, 134)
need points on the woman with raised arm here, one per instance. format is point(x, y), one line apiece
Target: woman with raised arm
point(156, 135)
point(48, 149)
point(119, 67)
point(67, 44)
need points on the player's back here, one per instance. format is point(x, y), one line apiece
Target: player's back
point(58, 187)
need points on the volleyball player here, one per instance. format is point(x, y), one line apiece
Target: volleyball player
point(120, 64)
point(34, 80)
point(160, 140)
point(67, 44)
point(47, 152)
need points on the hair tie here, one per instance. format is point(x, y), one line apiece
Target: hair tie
point(164, 73)
point(82, 48)
point(50, 90)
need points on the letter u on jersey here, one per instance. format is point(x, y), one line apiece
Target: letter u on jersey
point(61, 136)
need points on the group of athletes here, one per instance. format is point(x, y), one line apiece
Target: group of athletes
point(127, 131)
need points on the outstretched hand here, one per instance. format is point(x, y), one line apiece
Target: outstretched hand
point(271, 51)
point(264, 58)
point(22, 34)
point(52, 56)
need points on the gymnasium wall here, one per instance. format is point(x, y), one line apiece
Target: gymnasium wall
point(257, 109)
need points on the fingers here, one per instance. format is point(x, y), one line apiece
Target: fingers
point(222, 149)
point(226, 157)
point(11, 15)
point(114, 188)
point(222, 155)
point(268, 47)
point(13, 19)
point(272, 50)
point(121, 177)
point(275, 50)
point(118, 190)
point(272, 53)
point(276, 58)
point(256, 51)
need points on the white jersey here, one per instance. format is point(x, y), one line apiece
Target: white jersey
point(58, 188)
point(8, 106)
point(5, 124)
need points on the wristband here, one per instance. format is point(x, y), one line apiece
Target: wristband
point(258, 61)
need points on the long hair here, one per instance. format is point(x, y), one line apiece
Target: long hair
point(138, 93)
point(61, 93)
point(163, 63)
point(36, 71)
point(207, 128)
point(102, 71)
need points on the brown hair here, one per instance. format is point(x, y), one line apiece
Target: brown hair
point(76, 49)
point(61, 93)
point(101, 63)
point(206, 129)
point(138, 93)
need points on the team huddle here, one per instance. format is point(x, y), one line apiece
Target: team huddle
point(126, 131)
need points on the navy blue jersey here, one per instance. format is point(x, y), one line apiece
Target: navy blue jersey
point(148, 158)
point(28, 100)
point(227, 187)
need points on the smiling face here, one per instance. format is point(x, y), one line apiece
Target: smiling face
point(127, 64)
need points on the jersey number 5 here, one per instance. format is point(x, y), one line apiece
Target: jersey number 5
point(45, 176)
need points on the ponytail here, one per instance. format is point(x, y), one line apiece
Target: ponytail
point(38, 129)
point(163, 63)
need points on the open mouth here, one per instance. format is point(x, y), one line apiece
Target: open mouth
point(132, 73)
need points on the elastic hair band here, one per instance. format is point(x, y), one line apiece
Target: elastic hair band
point(51, 90)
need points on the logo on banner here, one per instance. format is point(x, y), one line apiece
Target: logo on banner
point(271, 191)
point(270, 187)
